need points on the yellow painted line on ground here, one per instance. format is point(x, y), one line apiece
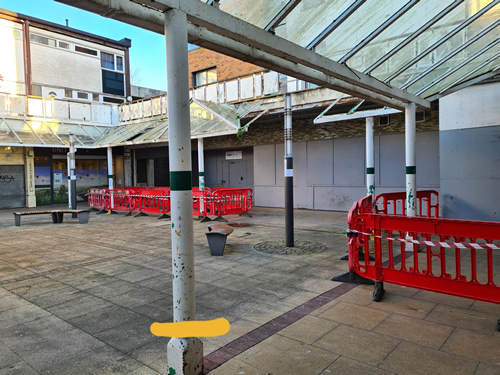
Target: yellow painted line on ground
point(192, 328)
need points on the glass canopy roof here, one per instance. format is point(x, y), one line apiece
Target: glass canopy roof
point(422, 46)
point(207, 120)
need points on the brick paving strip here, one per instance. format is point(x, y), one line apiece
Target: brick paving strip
point(245, 342)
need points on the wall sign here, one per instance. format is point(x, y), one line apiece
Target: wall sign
point(231, 155)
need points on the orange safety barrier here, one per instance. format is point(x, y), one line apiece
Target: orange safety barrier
point(394, 203)
point(227, 201)
point(456, 257)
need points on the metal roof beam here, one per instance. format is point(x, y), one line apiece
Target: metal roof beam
point(442, 40)
point(235, 29)
point(379, 30)
point(285, 11)
point(357, 115)
point(338, 21)
point(413, 36)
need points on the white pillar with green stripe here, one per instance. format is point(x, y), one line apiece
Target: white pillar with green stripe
point(185, 355)
point(110, 175)
point(370, 157)
point(410, 157)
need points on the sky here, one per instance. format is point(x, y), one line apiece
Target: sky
point(147, 54)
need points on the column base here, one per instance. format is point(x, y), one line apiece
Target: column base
point(185, 356)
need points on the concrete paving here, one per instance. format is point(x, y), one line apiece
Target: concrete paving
point(79, 299)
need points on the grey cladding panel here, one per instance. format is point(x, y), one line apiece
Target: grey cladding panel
point(264, 165)
point(320, 162)
point(392, 160)
point(12, 192)
point(428, 159)
point(349, 157)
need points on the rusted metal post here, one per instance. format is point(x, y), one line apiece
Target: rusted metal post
point(185, 355)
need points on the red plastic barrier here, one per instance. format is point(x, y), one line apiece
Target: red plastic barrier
point(395, 203)
point(460, 257)
point(152, 201)
point(202, 203)
point(227, 201)
point(97, 198)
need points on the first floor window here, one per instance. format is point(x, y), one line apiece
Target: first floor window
point(112, 83)
point(204, 77)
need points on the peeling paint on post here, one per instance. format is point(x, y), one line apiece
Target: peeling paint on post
point(185, 355)
point(410, 157)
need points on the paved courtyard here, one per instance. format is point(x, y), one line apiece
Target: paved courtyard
point(79, 299)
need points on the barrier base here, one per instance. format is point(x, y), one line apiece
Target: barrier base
point(140, 214)
point(221, 219)
point(111, 212)
point(353, 278)
point(130, 213)
point(246, 214)
point(361, 255)
point(204, 219)
point(163, 216)
point(378, 291)
point(101, 212)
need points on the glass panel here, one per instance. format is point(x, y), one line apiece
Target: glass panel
point(395, 34)
point(226, 111)
point(95, 131)
point(107, 61)
point(462, 72)
point(123, 133)
point(257, 12)
point(309, 19)
point(211, 75)
point(23, 131)
point(451, 45)
point(203, 121)
point(6, 135)
point(44, 131)
point(158, 133)
point(79, 134)
point(362, 23)
point(119, 63)
point(112, 83)
point(200, 78)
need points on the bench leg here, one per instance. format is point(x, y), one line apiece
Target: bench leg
point(216, 243)
point(83, 217)
point(17, 219)
point(57, 217)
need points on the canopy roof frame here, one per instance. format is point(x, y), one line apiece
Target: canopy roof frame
point(237, 30)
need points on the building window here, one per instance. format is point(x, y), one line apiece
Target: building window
point(107, 61)
point(107, 99)
point(112, 83)
point(63, 45)
point(95, 97)
point(204, 77)
point(86, 50)
point(68, 93)
point(82, 95)
point(43, 40)
point(119, 63)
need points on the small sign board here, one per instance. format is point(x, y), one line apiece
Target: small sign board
point(231, 155)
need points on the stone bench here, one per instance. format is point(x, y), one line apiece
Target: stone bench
point(57, 215)
point(217, 237)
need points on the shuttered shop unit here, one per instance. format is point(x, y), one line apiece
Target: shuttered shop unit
point(12, 186)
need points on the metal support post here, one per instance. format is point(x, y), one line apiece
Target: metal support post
point(370, 158)
point(110, 176)
point(288, 172)
point(185, 355)
point(201, 180)
point(72, 167)
point(410, 157)
point(68, 162)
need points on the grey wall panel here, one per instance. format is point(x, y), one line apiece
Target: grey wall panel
point(392, 160)
point(320, 162)
point(12, 186)
point(264, 165)
point(280, 164)
point(470, 173)
point(349, 161)
point(300, 164)
point(336, 198)
point(269, 196)
point(427, 159)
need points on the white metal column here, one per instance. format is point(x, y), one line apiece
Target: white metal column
point(72, 167)
point(370, 158)
point(201, 165)
point(411, 157)
point(289, 239)
point(185, 355)
point(110, 175)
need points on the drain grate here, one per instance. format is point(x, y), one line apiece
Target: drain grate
point(300, 248)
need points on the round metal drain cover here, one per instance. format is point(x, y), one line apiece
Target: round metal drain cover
point(300, 248)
